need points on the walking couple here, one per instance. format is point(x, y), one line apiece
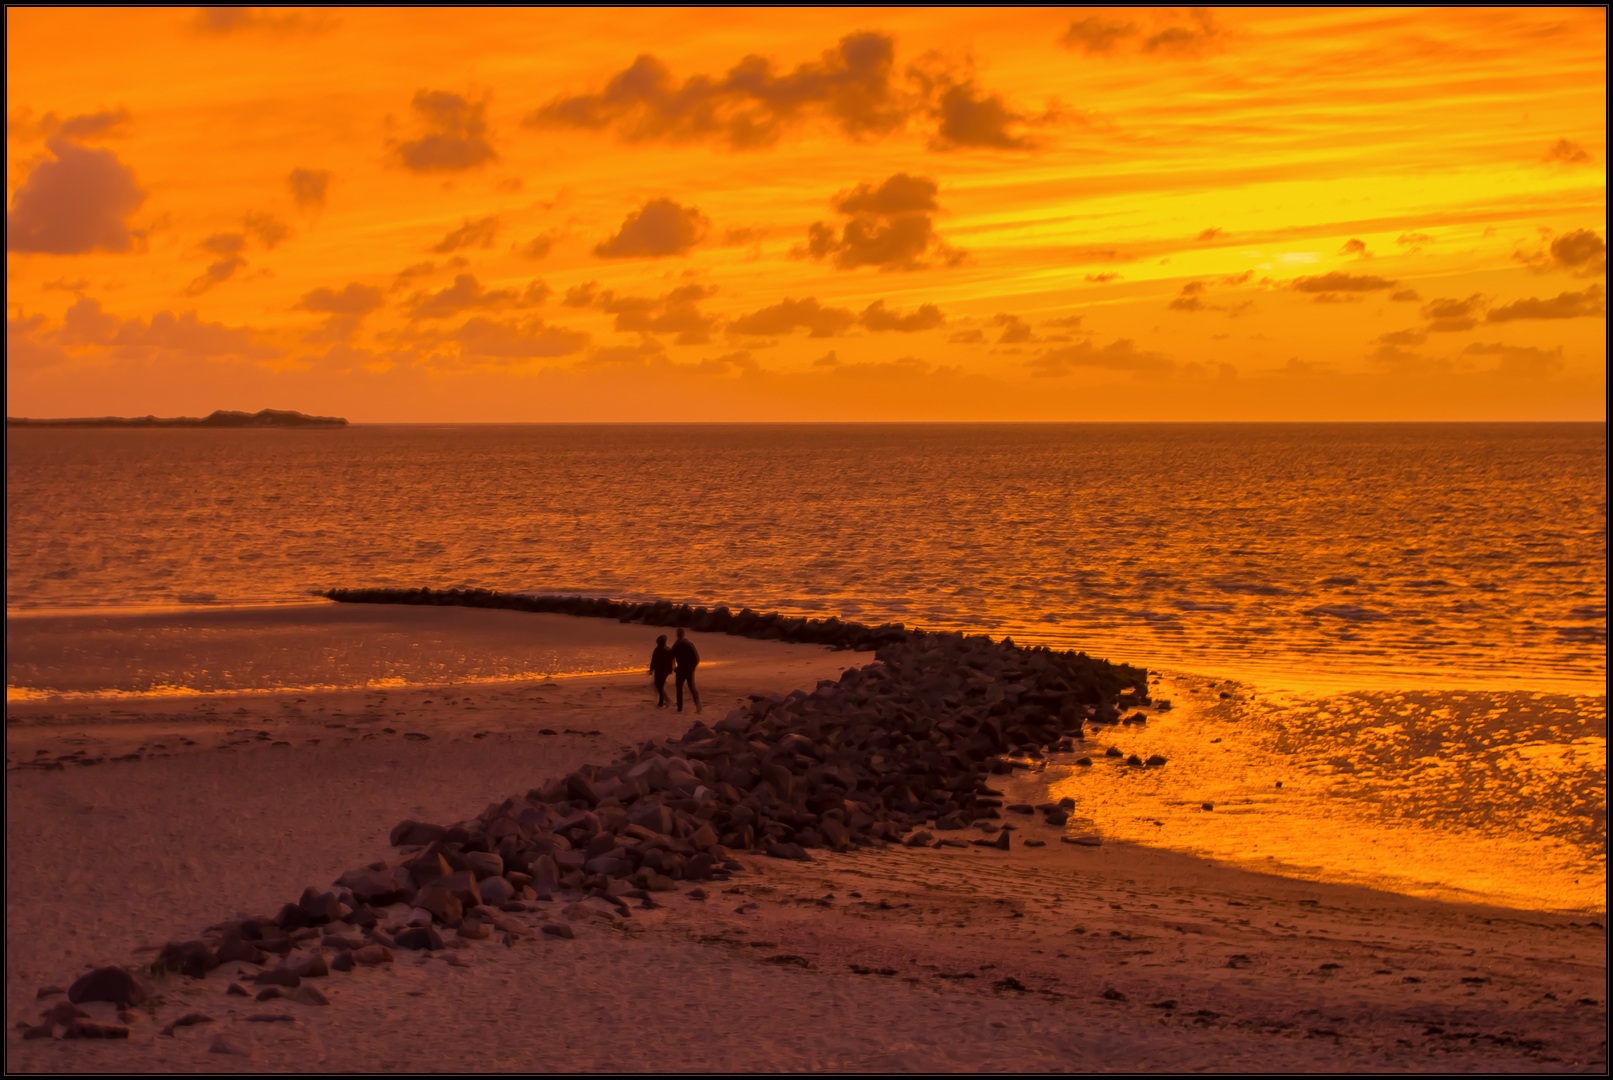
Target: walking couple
point(683, 658)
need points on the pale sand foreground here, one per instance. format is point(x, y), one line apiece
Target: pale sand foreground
point(105, 862)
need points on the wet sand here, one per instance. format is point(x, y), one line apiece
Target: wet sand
point(877, 960)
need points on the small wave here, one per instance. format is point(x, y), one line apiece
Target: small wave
point(1589, 634)
point(1252, 590)
point(1345, 581)
point(1589, 611)
point(1347, 611)
point(1194, 605)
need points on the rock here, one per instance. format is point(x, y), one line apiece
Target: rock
point(89, 1029)
point(1034, 843)
point(1009, 983)
point(112, 984)
point(1057, 818)
point(496, 891)
point(408, 833)
point(440, 903)
point(239, 949)
point(278, 977)
point(308, 995)
point(593, 907)
point(47, 991)
point(343, 961)
point(312, 966)
point(370, 955)
point(1004, 839)
point(696, 894)
point(1134, 760)
point(474, 930)
point(1084, 841)
point(1113, 752)
point(418, 937)
point(788, 851)
point(270, 993)
point(1156, 760)
point(1114, 995)
point(921, 838)
point(1208, 806)
point(188, 1020)
point(271, 1018)
point(1022, 808)
point(1066, 804)
point(221, 1045)
point(190, 958)
point(559, 930)
point(462, 884)
point(485, 864)
point(62, 1012)
point(237, 990)
point(1084, 761)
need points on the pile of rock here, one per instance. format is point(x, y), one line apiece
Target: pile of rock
point(718, 620)
point(886, 754)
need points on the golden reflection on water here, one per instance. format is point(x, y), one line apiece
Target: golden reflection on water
point(1492, 796)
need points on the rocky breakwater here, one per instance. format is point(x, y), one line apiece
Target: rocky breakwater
point(893, 752)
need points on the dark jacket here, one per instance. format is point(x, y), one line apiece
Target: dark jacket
point(685, 654)
point(661, 660)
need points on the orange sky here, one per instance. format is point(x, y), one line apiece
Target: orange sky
point(453, 215)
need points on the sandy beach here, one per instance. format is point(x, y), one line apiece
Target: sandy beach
point(1062, 957)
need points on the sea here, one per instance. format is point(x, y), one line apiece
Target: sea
point(1404, 624)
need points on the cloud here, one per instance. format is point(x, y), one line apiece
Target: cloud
point(1403, 338)
point(269, 230)
point(971, 118)
point(468, 294)
point(222, 21)
point(1339, 282)
point(1067, 322)
point(1566, 152)
point(478, 233)
point(1357, 248)
point(539, 246)
point(1175, 32)
point(483, 339)
point(790, 314)
point(1121, 355)
point(1448, 315)
point(661, 227)
point(1405, 296)
point(1518, 360)
point(308, 187)
point(1212, 234)
point(1101, 279)
point(974, 336)
point(906, 367)
point(167, 336)
point(1190, 298)
point(1097, 36)
point(751, 106)
point(891, 226)
point(1402, 361)
point(106, 124)
point(353, 299)
point(1581, 252)
point(1568, 305)
point(346, 309)
point(77, 202)
point(26, 349)
point(1409, 239)
point(676, 312)
point(229, 247)
point(456, 135)
point(581, 295)
point(1016, 331)
point(878, 318)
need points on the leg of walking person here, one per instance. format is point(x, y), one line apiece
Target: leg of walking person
point(678, 679)
point(693, 693)
point(660, 692)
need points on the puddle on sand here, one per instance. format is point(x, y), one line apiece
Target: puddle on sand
point(1485, 796)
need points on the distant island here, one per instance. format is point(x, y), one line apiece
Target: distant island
point(220, 418)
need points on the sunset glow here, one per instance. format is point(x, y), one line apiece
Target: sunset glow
point(734, 215)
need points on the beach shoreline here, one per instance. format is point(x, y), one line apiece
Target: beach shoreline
point(106, 862)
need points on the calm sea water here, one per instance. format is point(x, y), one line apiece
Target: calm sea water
point(1316, 559)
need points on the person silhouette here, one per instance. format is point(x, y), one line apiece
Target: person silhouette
point(660, 668)
point(685, 658)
